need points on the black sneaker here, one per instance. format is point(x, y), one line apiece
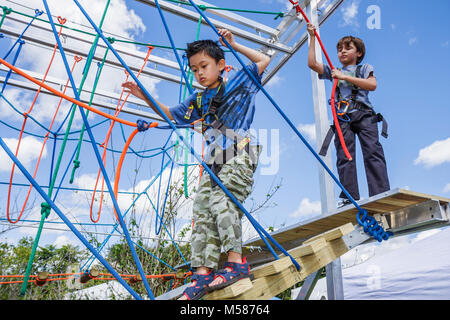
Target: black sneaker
point(343, 203)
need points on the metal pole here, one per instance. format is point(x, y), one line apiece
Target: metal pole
point(327, 192)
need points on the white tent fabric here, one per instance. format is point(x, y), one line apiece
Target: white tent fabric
point(418, 270)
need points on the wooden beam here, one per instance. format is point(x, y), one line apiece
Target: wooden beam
point(231, 291)
point(269, 286)
point(334, 233)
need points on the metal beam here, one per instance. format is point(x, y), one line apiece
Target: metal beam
point(331, 8)
point(194, 16)
point(74, 50)
point(258, 27)
point(106, 105)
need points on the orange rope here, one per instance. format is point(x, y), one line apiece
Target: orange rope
point(105, 276)
point(104, 145)
point(25, 114)
point(85, 106)
point(122, 157)
point(60, 94)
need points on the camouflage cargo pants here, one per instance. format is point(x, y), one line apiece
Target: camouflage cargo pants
point(217, 219)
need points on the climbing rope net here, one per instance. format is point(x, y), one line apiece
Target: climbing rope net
point(110, 206)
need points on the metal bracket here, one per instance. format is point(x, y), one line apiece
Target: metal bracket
point(417, 216)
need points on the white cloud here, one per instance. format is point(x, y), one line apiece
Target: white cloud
point(307, 209)
point(309, 130)
point(63, 240)
point(413, 40)
point(29, 151)
point(275, 81)
point(447, 188)
point(435, 154)
point(129, 25)
point(142, 210)
point(349, 14)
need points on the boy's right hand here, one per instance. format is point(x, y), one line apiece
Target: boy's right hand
point(134, 89)
point(311, 30)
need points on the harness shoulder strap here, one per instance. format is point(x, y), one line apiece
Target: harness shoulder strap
point(355, 88)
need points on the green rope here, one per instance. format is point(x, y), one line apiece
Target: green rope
point(83, 31)
point(203, 7)
point(186, 150)
point(45, 210)
point(76, 161)
point(6, 11)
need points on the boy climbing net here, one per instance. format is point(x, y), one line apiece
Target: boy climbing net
point(226, 112)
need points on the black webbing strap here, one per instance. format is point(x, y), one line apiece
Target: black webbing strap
point(326, 142)
point(384, 128)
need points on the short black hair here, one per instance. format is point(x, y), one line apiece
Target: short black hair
point(210, 47)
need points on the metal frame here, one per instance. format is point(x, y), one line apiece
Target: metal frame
point(268, 38)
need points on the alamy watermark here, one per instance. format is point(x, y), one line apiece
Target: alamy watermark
point(374, 19)
point(263, 146)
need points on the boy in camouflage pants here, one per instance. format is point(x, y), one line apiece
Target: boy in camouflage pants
point(226, 111)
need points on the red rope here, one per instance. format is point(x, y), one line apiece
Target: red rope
point(298, 9)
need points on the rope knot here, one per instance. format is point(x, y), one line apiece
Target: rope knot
point(61, 20)
point(142, 125)
point(6, 10)
point(45, 209)
point(371, 226)
point(38, 12)
point(76, 164)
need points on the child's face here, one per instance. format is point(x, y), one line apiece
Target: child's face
point(348, 54)
point(206, 69)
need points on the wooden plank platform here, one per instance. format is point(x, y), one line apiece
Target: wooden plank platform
point(277, 276)
point(390, 201)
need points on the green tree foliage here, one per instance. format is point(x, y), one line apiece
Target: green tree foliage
point(14, 259)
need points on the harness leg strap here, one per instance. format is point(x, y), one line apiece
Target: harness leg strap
point(326, 142)
point(384, 130)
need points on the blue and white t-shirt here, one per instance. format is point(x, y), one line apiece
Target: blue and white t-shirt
point(236, 111)
point(346, 87)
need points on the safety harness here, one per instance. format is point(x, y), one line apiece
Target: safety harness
point(347, 106)
point(219, 156)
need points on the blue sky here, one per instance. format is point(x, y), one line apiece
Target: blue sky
point(410, 57)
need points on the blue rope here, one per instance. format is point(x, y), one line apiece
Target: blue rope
point(169, 234)
point(256, 225)
point(174, 47)
point(157, 230)
point(126, 212)
point(293, 127)
point(371, 226)
point(65, 172)
point(37, 13)
point(8, 75)
point(67, 188)
point(67, 221)
point(53, 161)
point(21, 113)
point(97, 154)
